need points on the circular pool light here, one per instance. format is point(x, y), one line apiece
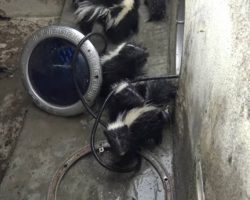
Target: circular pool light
point(47, 74)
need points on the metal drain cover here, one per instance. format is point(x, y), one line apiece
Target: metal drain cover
point(47, 74)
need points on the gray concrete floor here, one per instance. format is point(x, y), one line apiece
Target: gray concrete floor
point(46, 140)
point(14, 30)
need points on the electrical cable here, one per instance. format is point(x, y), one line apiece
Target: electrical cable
point(73, 67)
point(92, 143)
point(155, 78)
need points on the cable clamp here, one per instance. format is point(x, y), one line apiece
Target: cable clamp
point(101, 149)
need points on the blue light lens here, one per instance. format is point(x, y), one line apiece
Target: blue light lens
point(50, 72)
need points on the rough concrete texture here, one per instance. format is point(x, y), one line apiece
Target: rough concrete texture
point(214, 100)
point(31, 8)
point(155, 36)
point(14, 32)
point(11, 120)
point(47, 140)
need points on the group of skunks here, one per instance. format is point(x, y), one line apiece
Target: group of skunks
point(137, 110)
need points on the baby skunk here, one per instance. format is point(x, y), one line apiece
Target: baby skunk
point(157, 9)
point(124, 98)
point(137, 121)
point(118, 17)
point(124, 62)
point(134, 128)
point(158, 93)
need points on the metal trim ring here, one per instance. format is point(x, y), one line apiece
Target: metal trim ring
point(92, 58)
point(76, 156)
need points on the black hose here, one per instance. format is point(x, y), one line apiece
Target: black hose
point(73, 67)
point(155, 78)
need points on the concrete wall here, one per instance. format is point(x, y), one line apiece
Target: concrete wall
point(213, 106)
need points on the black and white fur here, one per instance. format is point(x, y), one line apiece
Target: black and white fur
point(135, 127)
point(157, 9)
point(126, 95)
point(126, 61)
point(141, 111)
point(118, 17)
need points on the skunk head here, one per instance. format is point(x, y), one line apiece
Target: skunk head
point(134, 53)
point(117, 134)
point(124, 62)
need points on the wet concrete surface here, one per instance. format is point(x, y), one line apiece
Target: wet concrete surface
point(46, 140)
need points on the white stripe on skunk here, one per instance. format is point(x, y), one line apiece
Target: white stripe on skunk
point(133, 114)
point(88, 11)
point(112, 53)
point(119, 18)
point(127, 6)
point(117, 124)
point(137, 127)
point(119, 87)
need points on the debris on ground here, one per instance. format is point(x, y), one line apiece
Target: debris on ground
point(12, 114)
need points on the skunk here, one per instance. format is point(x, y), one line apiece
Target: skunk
point(126, 61)
point(126, 95)
point(135, 127)
point(157, 9)
point(141, 114)
point(159, 92)
point(118, 17)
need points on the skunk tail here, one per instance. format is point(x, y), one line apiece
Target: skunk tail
point(89, 11)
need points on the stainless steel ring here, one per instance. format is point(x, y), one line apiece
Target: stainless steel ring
point(87, 49)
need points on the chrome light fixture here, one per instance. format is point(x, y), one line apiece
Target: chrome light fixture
point(47, 74)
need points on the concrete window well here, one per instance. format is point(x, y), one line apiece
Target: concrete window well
point(205, 149)
point(212, 140)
